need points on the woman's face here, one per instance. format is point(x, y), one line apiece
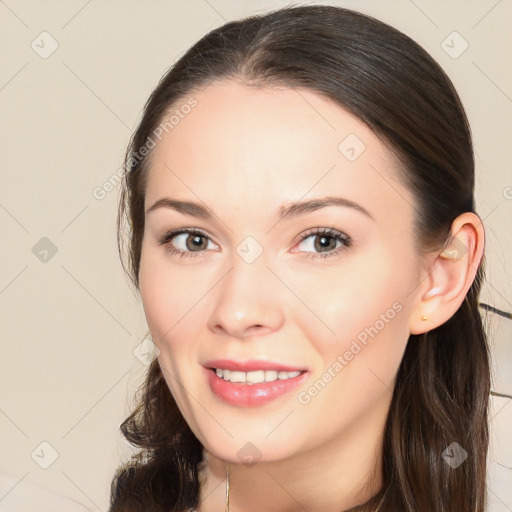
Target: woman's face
point(257, 286)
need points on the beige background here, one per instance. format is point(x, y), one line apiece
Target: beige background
point(70, 324)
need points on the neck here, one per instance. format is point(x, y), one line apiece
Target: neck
point(337, 475)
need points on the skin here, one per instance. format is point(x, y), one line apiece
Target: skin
point(243, 153)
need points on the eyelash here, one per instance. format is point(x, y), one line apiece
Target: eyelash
point(324, 232)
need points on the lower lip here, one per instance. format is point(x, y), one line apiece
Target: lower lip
point(251, 395)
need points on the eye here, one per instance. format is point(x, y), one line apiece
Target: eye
point(192, 241)
point(326, 240)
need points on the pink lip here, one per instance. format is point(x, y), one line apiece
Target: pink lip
point(251, 365)
point(251, 395)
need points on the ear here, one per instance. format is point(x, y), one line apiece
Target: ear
point(449, 275)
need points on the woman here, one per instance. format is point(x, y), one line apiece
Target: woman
point(301, 227)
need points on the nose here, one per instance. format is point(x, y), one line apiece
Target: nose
point(248, 301)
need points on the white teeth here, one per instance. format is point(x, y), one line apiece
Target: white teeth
point(256, 376)
point(287, 375)
point(237, 376)
point(270, 375)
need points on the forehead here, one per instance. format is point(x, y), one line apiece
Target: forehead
point(279, 144)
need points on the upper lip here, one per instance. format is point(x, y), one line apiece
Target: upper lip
point(251, 365)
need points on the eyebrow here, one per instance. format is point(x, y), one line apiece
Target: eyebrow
point(286, 211)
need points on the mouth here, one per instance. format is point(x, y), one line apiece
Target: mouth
point(252, 388)
point(255, 376)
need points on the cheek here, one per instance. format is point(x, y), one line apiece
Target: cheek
point(152, 284)
point(166, 295)
point(357, 362)
point(361, 312)
point(170, 303)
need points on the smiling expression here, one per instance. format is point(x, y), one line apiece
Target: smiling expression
point(268, 272)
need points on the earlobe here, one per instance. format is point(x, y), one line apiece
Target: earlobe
point(449, 275)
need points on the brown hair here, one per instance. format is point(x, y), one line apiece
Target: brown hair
point(442, 387)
